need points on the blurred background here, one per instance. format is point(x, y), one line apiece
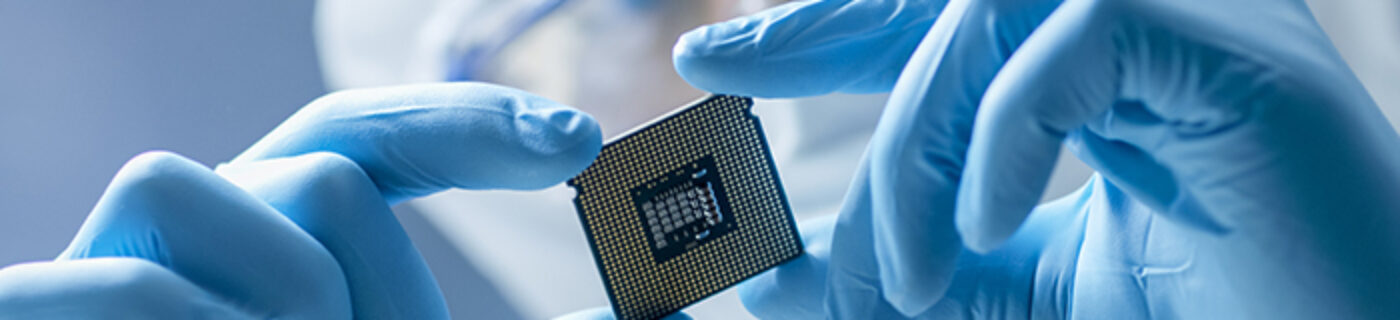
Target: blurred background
point(85, 85)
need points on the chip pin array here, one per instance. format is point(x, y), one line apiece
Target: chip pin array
point(726, 218)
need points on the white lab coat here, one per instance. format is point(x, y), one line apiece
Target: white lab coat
point(531, 245)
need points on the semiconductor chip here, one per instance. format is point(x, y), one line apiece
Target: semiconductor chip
point(683, 207)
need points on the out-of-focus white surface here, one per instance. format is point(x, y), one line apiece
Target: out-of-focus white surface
point(1367, 32)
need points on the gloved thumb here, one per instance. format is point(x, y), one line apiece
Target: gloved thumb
point(806, 48)
point(416, 140)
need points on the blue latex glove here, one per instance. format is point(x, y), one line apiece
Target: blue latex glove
point(1245, 172)
point(299, 225)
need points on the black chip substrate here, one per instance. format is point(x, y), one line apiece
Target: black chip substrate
point(684, 207)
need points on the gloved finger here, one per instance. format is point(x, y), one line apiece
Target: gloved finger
point(1037, 262)
point(606, 313)
point(916, 153)
point(1060, 77)
point(329, 197)
point(105, 288)
point(806, 48)
point(176, 213)
point(419, 139)
point(853, 282)
point(794, 290)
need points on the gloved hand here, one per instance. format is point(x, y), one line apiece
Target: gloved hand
point(1245, 172)
point(299, 225)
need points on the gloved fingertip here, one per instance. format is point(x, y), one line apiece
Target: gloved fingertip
point(912, 291)
point(154, 163)
point(565, 139)
point(918, 268)
point(795, 289)
point(715, 57)
point(988, 211)
point(494, 137)
point(1010, 158)
point(978, 236)
point(912, 303)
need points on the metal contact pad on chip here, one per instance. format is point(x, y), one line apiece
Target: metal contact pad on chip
point(683, 207)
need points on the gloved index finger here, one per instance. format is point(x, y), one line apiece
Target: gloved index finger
point(420, 139)
point(1062, 76)
point(806, 48)
point(917, 153)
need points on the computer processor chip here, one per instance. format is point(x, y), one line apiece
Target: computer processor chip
point(684, 207)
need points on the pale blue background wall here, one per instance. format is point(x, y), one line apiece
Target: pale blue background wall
point(86, 85)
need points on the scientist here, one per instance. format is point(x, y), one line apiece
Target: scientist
point(1244, 172)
